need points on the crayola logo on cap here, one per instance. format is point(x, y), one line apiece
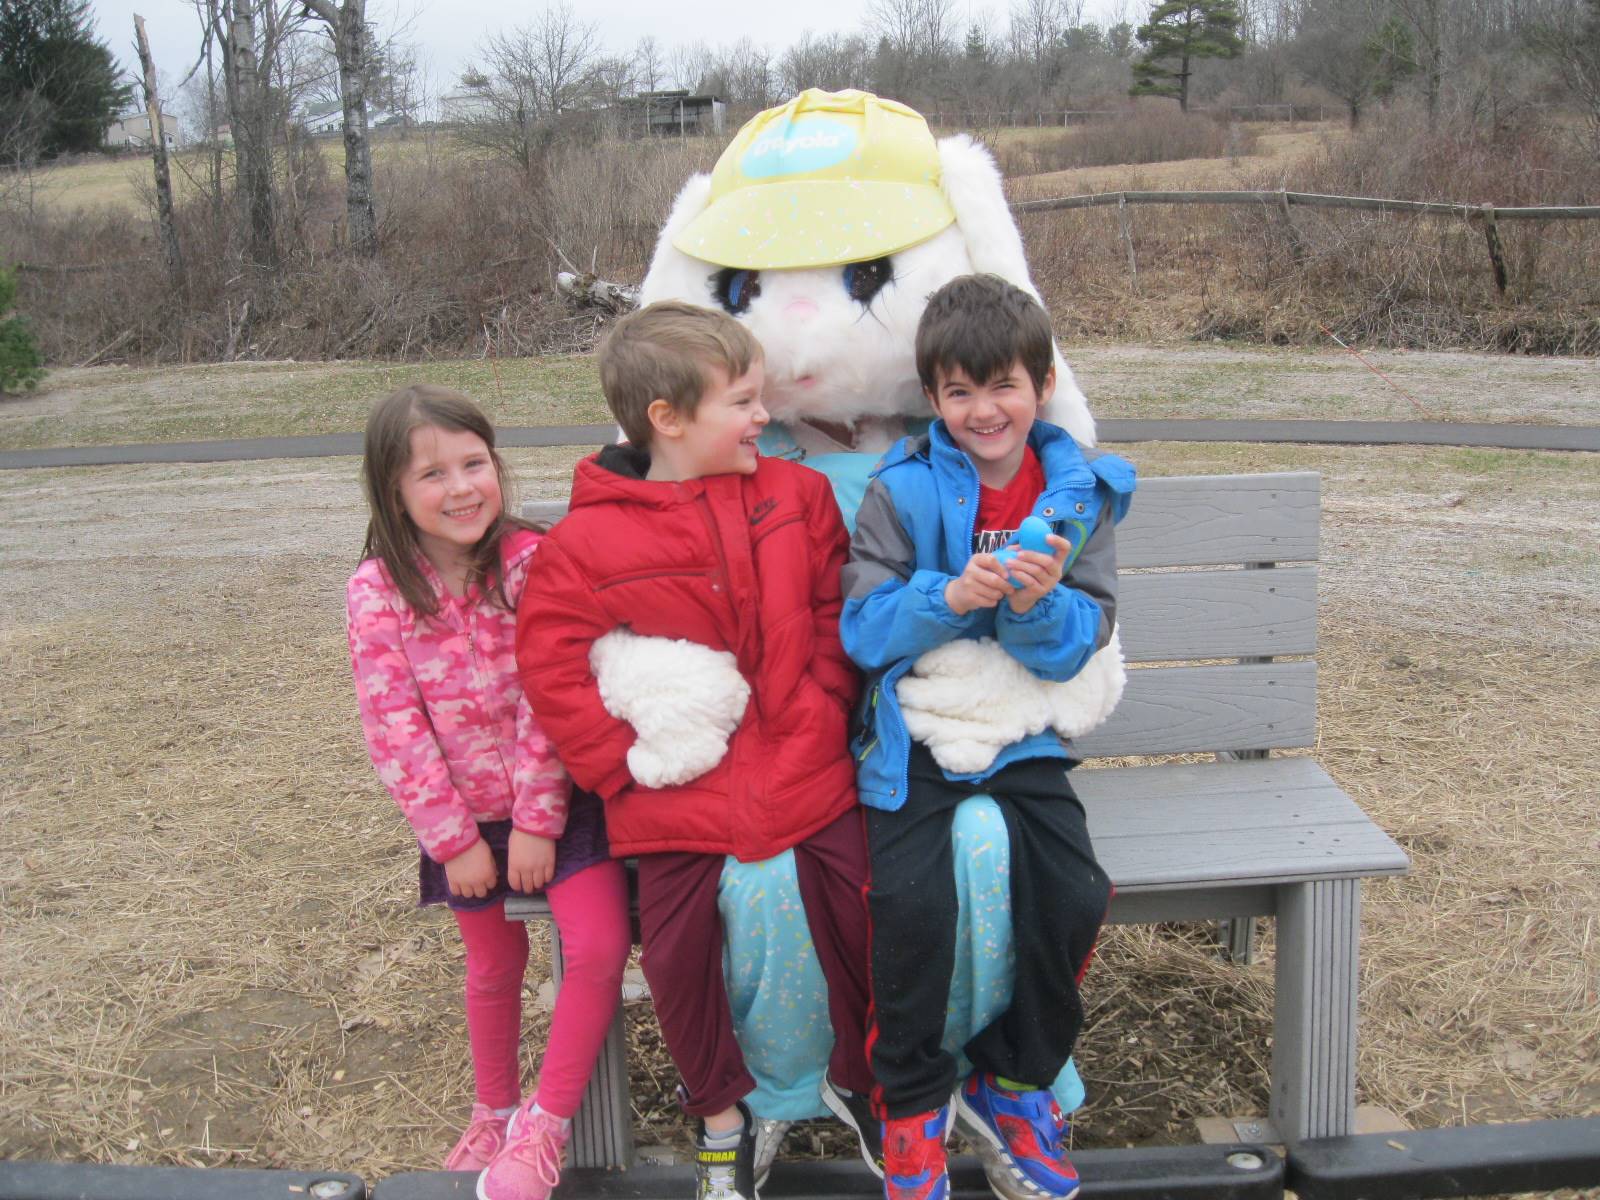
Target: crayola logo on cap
point(798, 147)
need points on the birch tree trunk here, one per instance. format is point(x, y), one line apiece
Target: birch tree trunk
point(347, 24)
point(252, 128)
point(158, 143)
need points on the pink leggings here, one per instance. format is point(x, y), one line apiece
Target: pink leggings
point(591, 913)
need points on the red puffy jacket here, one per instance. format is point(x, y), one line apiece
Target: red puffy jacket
point(749, 564)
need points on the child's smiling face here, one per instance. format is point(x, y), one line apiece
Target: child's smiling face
point(451, 491)
point(990, 421)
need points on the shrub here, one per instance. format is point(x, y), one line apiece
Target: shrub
point(20, 363)
point(1146, 134)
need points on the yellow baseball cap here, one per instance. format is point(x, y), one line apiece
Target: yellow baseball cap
point(828, 178)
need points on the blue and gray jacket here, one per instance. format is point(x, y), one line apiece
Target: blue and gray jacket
point(914, 533)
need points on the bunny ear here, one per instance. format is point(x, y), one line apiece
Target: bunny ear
point(972, 185)
point(673, 274)
point(994, 244)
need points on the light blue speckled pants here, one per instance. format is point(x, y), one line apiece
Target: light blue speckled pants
point(775, 986)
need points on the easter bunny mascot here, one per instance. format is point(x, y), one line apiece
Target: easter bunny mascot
point(824, 227)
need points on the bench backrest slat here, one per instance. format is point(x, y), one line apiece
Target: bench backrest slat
point(1210, 520)
point(1178, 710)
point(1217, 614)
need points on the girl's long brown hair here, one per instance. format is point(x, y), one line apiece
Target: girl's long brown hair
point(391, 534)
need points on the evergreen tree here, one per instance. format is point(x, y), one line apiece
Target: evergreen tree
point(977, 47)
point(21, 365)
point(53, 67)
point(1177, 33)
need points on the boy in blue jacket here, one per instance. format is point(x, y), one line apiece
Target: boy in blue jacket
point(923, 571)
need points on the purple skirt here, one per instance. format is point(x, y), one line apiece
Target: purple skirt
point(582, 845)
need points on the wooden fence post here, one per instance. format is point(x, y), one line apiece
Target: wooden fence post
point(1491, 234)
point(1297, 250)
point(1127, 238)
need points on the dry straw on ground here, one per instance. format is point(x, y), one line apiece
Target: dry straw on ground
point(211, 955)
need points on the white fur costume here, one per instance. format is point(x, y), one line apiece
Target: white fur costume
point(682, 699)
point(968, 699)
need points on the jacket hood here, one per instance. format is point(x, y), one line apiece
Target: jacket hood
point(617, 473)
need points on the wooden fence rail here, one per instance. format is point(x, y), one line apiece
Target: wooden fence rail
point(1283, 200)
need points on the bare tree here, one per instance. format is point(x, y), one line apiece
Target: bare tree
point(834, 62)
point(247, 32)
point(1037, 31)
point(346, 23)
point(535, 73)
point(916, 30)
point(1570, 38)
point(158, 149)
point(688, 64)
point(1428, 33)
point(743, 74)
point(649, 65)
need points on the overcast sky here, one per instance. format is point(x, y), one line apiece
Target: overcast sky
point(447, 31)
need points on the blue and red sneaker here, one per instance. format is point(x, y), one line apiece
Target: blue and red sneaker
point(913, 1156)
point(1019, 1136)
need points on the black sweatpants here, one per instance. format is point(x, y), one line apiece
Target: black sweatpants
point(1059, 895)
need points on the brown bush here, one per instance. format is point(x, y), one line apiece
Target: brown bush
point(1159, 133)
point(469, 247)
point(1387, 279)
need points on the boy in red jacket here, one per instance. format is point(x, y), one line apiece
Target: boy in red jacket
point(685, 533)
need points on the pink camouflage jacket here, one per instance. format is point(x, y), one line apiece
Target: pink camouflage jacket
point(448, 726)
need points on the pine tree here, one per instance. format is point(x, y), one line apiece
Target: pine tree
point(21, 365)
point(1177, 33)
point(55, 69)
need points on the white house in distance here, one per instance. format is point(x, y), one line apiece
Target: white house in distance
point(465, 106)
point(328, 118)
point(133, 130)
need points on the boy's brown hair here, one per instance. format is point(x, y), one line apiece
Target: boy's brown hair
point(983, 325)
point(663, 352)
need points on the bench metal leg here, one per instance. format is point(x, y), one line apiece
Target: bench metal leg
point(1238, 938)
point(1314, 1039)
point(602, 1131)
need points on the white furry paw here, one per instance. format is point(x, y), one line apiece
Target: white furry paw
point(683, 700)
point(968, 699)
point(1081, 703)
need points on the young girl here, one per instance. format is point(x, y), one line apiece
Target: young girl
point(432, 613)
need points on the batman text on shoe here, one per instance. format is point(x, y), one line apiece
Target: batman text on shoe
point(726, 1172)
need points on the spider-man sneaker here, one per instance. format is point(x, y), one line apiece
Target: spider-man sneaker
point(1019, 1136)
point(914, 1165)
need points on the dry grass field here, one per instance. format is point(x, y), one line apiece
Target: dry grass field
point(211, 953)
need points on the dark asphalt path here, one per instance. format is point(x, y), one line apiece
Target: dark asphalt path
point(1328, 433)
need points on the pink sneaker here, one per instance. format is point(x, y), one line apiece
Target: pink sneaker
point(530, 1165)
point(483, 1139)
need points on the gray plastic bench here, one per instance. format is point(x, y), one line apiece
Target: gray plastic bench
point(1243, 836)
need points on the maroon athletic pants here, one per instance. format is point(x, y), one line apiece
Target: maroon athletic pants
point(681, 932)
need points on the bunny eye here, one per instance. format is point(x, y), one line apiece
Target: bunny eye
point(864, 280)
point(734, 288)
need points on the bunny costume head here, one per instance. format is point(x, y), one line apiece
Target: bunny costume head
point(824, 227)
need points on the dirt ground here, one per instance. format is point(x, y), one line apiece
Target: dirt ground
point(211, 953)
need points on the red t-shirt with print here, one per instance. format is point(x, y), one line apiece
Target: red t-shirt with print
point(1002, 510)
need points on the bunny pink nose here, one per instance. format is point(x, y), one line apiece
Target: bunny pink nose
point(800, 310)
